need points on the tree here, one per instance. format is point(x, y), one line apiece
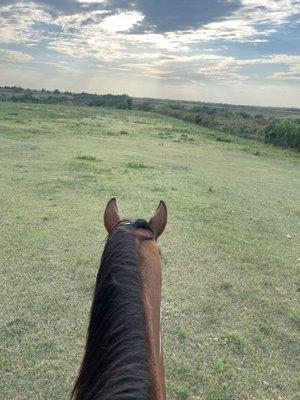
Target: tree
point(129, 103)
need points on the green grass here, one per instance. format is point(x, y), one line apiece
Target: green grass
point(220, 366)
point(86, 157)
point(137, 165)
point(230, 311)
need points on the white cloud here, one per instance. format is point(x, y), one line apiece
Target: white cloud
point(214, 67)
point(15, 56)
point(270, 11)
point(121, 22)
point(291, 62)
point(16, 22)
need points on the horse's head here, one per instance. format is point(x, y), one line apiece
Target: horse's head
point(156, 224)
point(145, 233)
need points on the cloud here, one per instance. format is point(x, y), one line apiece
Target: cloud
point(293, 74)
point(17, 21)
point(176, 15)
point(270, 11)
point(200, 69)
point(273, 59)
point(159, 15)
point(68, 7)
point(291, 64)
point(162, 23)
point(15, 56)
point(209, 68)
point(121, 22)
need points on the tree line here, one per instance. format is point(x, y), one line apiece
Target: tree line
point(18, 94)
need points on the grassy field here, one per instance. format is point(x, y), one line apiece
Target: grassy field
point(230, 253)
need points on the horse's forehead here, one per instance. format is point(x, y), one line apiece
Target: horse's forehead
point(143, 233)
point(147, 249)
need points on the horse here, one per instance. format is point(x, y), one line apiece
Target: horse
point(123, 357)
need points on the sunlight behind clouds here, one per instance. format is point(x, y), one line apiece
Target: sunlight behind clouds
point(121, 22)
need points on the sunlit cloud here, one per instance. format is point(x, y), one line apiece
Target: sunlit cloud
point(121, 22)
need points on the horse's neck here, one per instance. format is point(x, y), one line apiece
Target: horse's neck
point(151, 298)
point(115, 363)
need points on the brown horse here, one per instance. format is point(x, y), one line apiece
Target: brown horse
point(123, 356)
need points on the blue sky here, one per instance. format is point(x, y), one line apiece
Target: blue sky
point(231, 51)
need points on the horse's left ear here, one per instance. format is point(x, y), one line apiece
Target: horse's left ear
point(111, 216)
point(159, 220)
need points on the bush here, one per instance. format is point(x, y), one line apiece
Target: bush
point(283, 133)
point(129, 103)
point(203, 119)
point(145, 106)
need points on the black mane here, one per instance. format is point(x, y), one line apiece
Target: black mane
point(115, 365)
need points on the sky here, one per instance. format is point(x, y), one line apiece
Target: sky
point(228, 51)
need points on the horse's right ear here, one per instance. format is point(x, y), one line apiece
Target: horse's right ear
point(111, 216)
point(159, 220)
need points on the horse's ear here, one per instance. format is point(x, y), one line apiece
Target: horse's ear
point(159, 219)
point(111, 216)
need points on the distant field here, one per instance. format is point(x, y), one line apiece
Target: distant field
point(230, 250)
point(272, 125)
point(276, 112)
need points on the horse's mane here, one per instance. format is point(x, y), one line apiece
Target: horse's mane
point(115, 365)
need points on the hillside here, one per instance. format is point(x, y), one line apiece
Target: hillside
point(277, 126)
point(230, 249)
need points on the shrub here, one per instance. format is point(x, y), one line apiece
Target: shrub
point(86, 157)
point(137, 165)
point(203, 119)
point(283, 133)
point(145, 106)
point(129, 103)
